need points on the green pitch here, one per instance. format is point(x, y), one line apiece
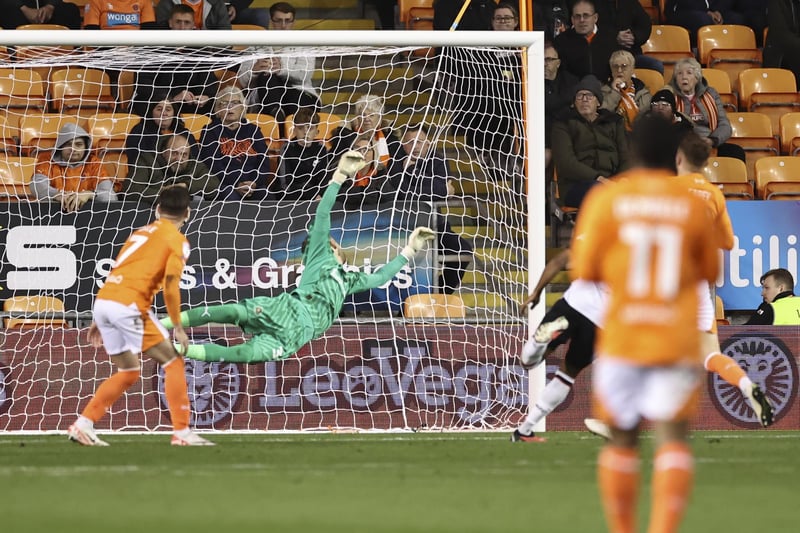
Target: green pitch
point(474, 482)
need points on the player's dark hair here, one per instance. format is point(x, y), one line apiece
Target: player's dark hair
point(694, 149)
point(781, 277)
point(181, 9)
point(174, 200)
point(653, 141)
point(283, 7)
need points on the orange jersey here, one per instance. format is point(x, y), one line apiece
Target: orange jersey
point(651, 241)
point(148, 256)
point(715, 200)
point(79, 178)
point(118, 14)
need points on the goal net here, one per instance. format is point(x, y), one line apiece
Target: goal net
point(253, 123)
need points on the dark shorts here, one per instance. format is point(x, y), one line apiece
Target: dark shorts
point(581, 334)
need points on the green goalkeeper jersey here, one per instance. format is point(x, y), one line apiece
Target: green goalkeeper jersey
point(316, 302)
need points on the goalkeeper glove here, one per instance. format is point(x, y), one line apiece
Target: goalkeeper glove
point(416, 241)
point(350, 163)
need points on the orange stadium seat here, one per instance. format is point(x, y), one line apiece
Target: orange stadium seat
point(772, 91)
point(195, 123)
point(34, 304)
point(405, 7)
point(778, 178)
point(39, 52)
point(76, 90)
point(22, 88)
point(668, 44)
point(720, 81)
point(251, 27)
point(651, 8)
point(719, 311)
point(126, 85)
point(753, 132)
point(9, 136)
point(109, 130)
point(790, 133)
point(39, 132)
point(421, 19)
point(269, 128)
point(728, 47)
point(434, 306)
point(559, 214)
point(730, 174)
point(15, 177)
point(651, 78)
point(328, 122)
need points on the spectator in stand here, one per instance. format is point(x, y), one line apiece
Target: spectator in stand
point(240, 12)
point(281, 84)
point(551, 17)
point(586, 47)
point(589, 145)
point(505, 17)
point(235, 149)
point(368, 122)
point(420, 175)
point(780, 306)
point(371, 185)
point(303, 170)
point(20, 12)
point(702, 104)
point(632, 26)
point(159, 119)
point(208, 14)
point(694, 14)
point(478, 15)
point(190, 85)
point(559, 86)
point(172, 163)
point(624, 94)
point(72, 175)
point(119, 15)
point(663, 103)
point(782, 48)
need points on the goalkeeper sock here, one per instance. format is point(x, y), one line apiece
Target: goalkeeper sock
point(673, 477)
point(176, 392)
point(555, 392)
point(221, 314)
point(109, 392)
point(728, 370)
point(618, 477)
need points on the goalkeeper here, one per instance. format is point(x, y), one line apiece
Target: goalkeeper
point(281, 325)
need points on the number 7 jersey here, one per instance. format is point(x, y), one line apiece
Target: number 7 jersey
point(651, 241)
point(150, 254)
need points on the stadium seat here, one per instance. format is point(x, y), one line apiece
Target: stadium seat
point(719, 311)
point(34, 304)
point(15, 177)
point(753, 132)
point(22, 53)
point(328, 122)
point(9, 137)
point(433, 306)
point(730, 174)
point(4, 56)
point(39, 132)
point(269, 128)
point(48, 27)
point(80, 90)
point(405, 6)
point(778, 178)
point(195, 123)
point(728, 47)
point(720, 81)
point(421, 19)
point(116, 163)
point(109, 130)
point(559, 214)
point(772, 91)
point(668, 44)
point(652, 79)
point(790, 133)
point(651, 8)
point(126, 85)
point(22, 88)
point(252, 27)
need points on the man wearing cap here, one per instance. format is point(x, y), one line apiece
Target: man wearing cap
point(589, 144)
point(663, 103)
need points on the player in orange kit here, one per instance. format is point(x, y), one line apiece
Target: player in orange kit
point(153, 257)
point(652, 242)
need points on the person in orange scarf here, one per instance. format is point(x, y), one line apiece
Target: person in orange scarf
point(369, 123)
point(624, 94)
point(72, 175)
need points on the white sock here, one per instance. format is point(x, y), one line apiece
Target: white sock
point(183, 432)
point(555, 392)
point(84, 423)
point(745, 385)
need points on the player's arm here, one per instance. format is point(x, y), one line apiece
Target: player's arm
point(172, 297)
point(553, 267)
point(416, 242)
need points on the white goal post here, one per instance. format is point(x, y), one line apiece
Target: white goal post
point(481, 99)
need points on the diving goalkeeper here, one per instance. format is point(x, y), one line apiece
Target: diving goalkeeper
point(281, 325)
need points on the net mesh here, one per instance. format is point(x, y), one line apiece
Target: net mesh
point(434, 348)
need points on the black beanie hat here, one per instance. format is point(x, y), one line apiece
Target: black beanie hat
point(592, 84)
point(665, 95)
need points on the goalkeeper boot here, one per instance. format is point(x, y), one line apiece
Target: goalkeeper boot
point(760, 404)
point(84, 436)
point(597, 427)
point(187, 437)
point(518, 436)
